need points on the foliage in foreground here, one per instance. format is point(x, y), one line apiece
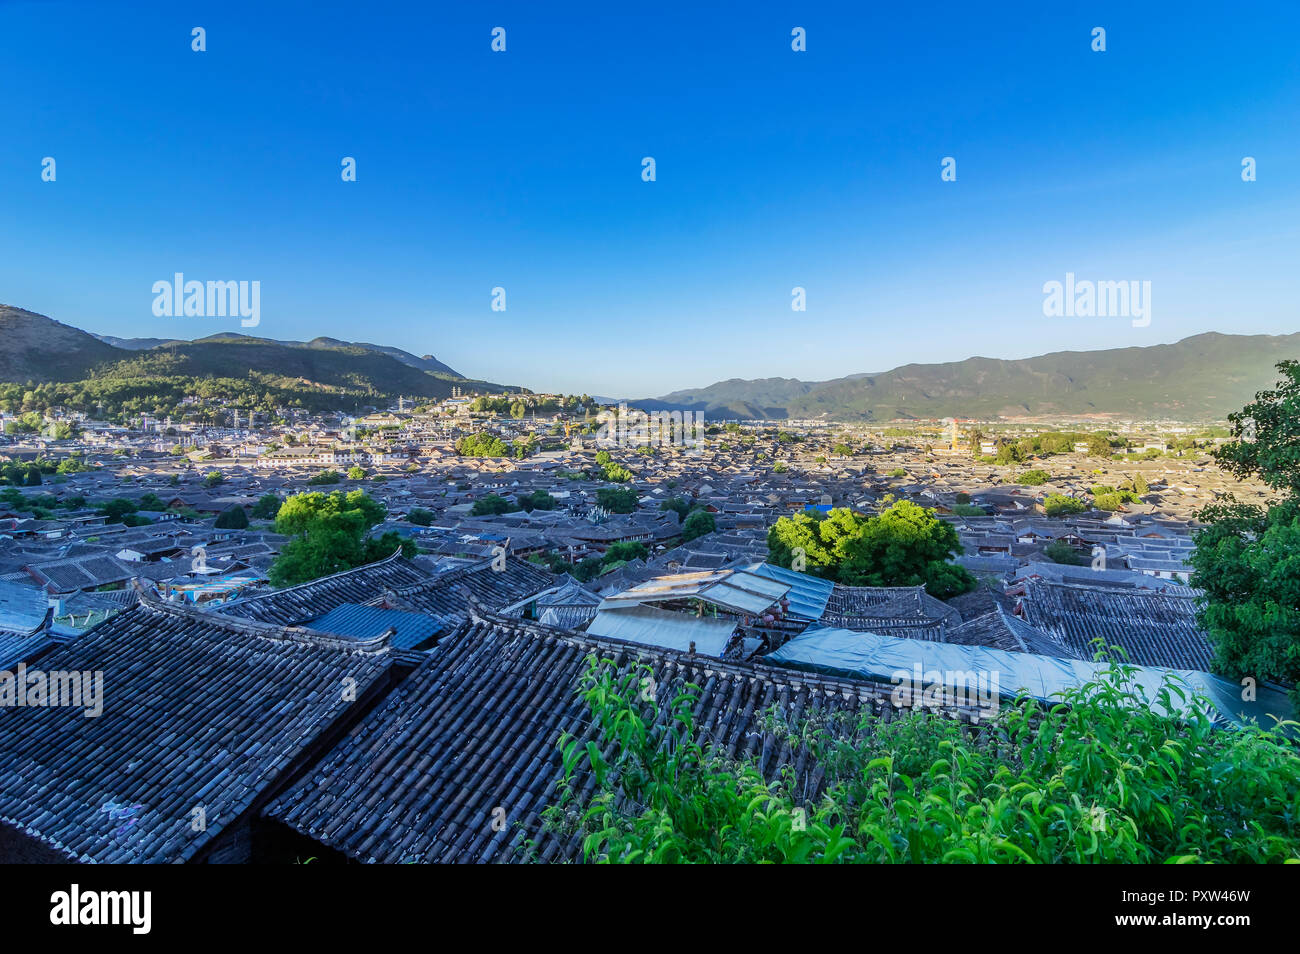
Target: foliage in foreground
point(1098, 778)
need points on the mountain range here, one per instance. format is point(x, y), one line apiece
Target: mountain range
point(39, 349)
point(1199, 378)
point(1203, 377)
point(424, 362)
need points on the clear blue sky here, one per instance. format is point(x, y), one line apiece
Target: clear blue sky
point(775, 169)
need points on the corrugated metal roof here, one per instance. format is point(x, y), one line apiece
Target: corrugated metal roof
point(737, 590)
point(808, 594)
point(365, 622)
point(873, 656)
point(655, 627)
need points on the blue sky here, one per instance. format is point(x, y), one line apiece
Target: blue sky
point(775, 169)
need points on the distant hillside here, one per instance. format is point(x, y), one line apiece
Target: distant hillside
point(424, 363)
point(36, 348)
point(1199, 378)
point(80, 369)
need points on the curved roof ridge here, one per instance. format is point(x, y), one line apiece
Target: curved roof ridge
point(396, 555)
point(150, 601)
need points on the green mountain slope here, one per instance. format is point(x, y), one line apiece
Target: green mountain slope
point(36, 348)
point(1198, 378)
point(79, 370)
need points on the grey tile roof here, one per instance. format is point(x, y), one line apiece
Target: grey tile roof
point(1154, 628)
point(308, 600)
point(475, 728)
point(198, 710)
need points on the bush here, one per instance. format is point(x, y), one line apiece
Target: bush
point(1035, 478)
point(1106, 776)
point(325, 477)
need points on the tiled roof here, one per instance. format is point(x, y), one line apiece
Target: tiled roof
point(363, 584)
point(1153, 628)
point(83, 573)
point(470, 738)
point(22, 608)
point(1001, 630)
point(198, 710)
point(444, 597)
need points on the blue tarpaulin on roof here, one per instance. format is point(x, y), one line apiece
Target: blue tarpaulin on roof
point(893, 659)
point(367, 622)
point(808, 594)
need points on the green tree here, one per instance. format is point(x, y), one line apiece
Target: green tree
point(233, 518)
point(1059, 505)
point(624, 551)
point(420, 516)
point(328, 532)
point(905, 545)
point(697, 524)
point(1247, 558)
point(324, 478)
point(357, 472)
point(212, 478)
point(267, 506)
point(482, 444)
point(492, 505)
point(1098, 445)
point(537, 500)
point(1058, 551)
point(116, 509)
point(616, 499)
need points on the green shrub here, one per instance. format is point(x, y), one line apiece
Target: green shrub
point(1104, 776)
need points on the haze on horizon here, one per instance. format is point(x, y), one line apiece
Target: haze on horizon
point(774, 169)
